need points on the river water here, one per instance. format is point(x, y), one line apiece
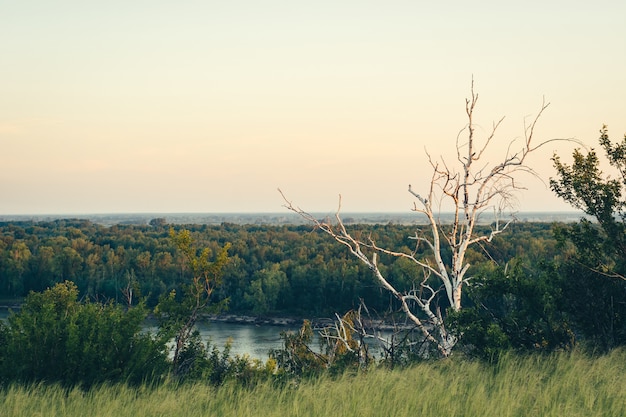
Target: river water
point(254, 340)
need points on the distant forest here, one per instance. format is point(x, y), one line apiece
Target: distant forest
point(279, 270)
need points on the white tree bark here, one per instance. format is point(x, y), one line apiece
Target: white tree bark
point(470, 187)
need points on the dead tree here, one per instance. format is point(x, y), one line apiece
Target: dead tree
point(468, 187)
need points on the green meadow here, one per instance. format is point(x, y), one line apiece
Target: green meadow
point(560, 384)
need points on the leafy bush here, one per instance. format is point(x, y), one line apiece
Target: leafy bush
point(513, 307)
point(56, 338)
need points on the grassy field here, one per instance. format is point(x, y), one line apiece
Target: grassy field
point(566, 384)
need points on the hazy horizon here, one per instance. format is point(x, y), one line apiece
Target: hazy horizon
point(156, 213)
point(209, 107)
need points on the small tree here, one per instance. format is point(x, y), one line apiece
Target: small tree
point(467, 188)
point(594, 276)
point(178, 313)
point(587, 188)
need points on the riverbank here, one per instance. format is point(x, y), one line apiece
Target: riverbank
point(254, 320)
point(317, 322)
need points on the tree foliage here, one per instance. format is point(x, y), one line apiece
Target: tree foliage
point(57, 338)
point(586, 187)
point(178, 315)
point(513, 307)
point(595, 274)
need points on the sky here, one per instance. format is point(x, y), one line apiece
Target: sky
point(211, 106)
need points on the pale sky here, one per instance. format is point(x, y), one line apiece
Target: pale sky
point(210, 106)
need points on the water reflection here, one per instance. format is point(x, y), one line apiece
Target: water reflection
point(255, 341)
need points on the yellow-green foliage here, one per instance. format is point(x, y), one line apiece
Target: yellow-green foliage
point(564, 384)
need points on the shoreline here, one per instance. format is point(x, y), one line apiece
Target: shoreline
point(278, 321)
point(258, 321)
point(317, 322)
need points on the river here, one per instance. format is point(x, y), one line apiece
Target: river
point(254, 340)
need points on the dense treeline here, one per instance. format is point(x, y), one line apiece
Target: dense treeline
point(529, 289)
point(281, 270)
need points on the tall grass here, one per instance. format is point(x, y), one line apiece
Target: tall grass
point(565, 384)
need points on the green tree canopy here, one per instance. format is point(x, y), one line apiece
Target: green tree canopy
point(594, 278)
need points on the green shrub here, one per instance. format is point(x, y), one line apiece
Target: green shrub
point(57, 338)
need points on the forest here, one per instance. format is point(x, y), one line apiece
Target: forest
point(272, 270)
